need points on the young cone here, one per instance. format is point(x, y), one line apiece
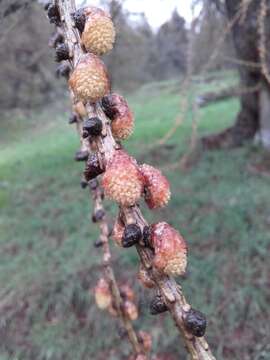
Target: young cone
point(89, 81)
point(103, 295)
point(157, 187)
point(170, 249)
point(122, 181)
point(98, 35)
point(117, 109)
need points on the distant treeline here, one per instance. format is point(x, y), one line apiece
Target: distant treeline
point(140, 54)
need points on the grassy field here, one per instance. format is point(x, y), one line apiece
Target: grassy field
point(49, 266)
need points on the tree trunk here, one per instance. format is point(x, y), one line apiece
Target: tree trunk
point(255, 106)
point(264, 134)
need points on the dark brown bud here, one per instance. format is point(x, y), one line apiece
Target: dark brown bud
point(195, 322)
point(98, 244)
point(61, 52)
point(81, 155)
point(84, 184)
point(132, 235)
point(108, 107)
point(73, 119)
point(93, 184)
point(93, 126)
point(63, 70)
point(79, 19)
point(122, 332)
point(46, 5)
point(53, 14)
point(158, 306)
point(147, 235)
point(56, 39)
point(98, 216)
point(92, 168)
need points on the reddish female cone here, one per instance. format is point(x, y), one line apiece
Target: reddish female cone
point(122, 181)
point(170, 249)
point(117, 109)
point(98, 34)
point(103, 295)
point(89, 81)
point(157, 187)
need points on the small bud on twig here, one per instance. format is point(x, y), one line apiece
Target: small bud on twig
point(93, 184)
point(98, 216)
point(132, 235)
point(195, 322)
point(117, 109)
point(79, 19)
point(98, 243)
point(158, 306)
point(63, 70)
point(73, 119)
point(81, 155)
point(53, 14)
point(93, 126)
point(56, 39)
point(84, 184)
point(46, 5)
point(92, 167)
point(61, 52)
point(147, 236)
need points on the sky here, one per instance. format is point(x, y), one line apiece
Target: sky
point(156, 11)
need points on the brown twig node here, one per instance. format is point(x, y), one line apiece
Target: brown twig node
point(161, 249)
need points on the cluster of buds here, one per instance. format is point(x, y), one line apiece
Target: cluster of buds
point(169, 247)
point(105, 300)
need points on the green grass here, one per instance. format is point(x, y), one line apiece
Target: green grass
point(48, 265)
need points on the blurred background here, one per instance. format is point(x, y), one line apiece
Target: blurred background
point(196, 75)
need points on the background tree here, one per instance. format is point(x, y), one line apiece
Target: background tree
point(254, 113)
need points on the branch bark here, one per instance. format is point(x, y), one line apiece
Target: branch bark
point(106, 145)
